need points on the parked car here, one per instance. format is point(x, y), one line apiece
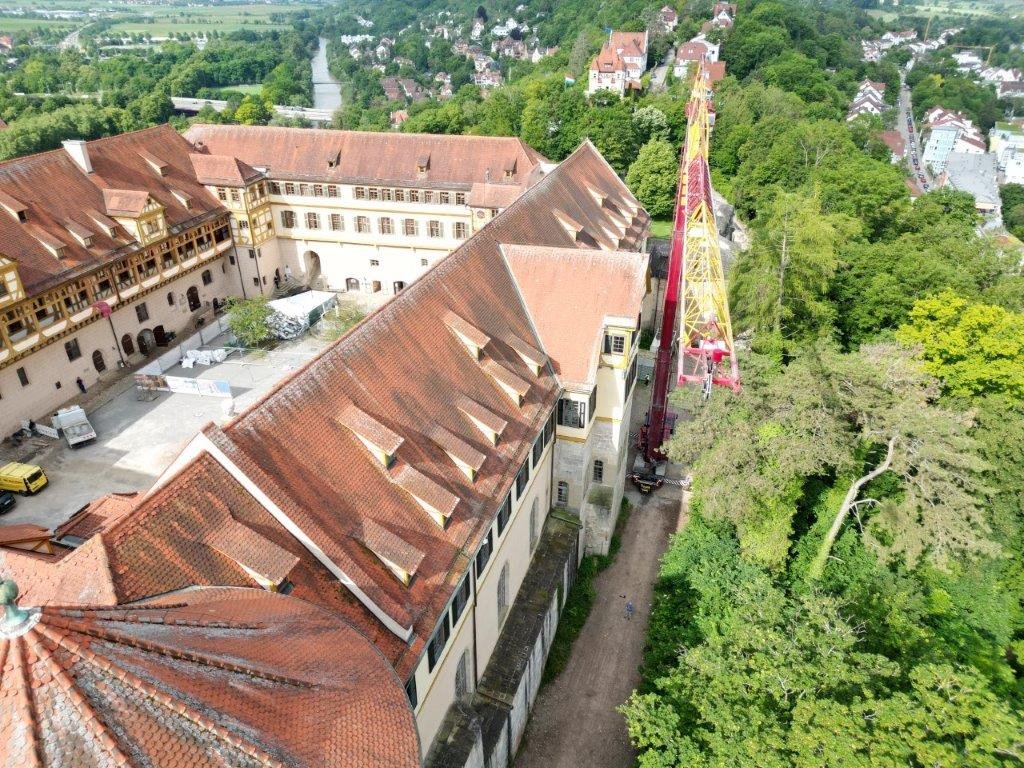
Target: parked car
point(7, 502)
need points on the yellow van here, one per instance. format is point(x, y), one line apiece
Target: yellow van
point(22, 478)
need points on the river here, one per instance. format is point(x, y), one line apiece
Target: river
point(326, 90)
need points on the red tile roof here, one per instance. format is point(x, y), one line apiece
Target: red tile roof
point(213, 677)
point(895, 142)
point(97, 515)
point(571, 323)
point(51, 189)
point(359, 156)
point(222, 170)
point(629, 44)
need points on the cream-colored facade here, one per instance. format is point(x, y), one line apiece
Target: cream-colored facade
point(493, 580)
point(593, 437)
point(358, 239)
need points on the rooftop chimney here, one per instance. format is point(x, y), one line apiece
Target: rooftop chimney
point(79, 152)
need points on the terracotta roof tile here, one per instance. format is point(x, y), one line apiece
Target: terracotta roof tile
point(51, 189)
point(211, 678)
point(494, 196)
point(354, 156)
point(222, 170)
point(467, 330)
point(388, 545)
point(96, 516)
point(368, 428)
point(252, 551)
point(571, 323)
point(457, 447)
point(125, 202)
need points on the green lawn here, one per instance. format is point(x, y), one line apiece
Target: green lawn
point(18, 24)
point(661, 228)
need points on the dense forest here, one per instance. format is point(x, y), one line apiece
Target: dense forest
point(849, 588)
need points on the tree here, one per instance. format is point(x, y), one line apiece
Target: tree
point(252, 111)
point(781, 284)
point(653, 176)
point(973, 348)
point(248, 320)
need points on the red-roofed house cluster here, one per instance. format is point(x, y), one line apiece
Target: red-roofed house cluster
point(397, 488)
point(701, 52)
point(870, 100)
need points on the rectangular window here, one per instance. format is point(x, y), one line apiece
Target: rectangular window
point(359, 193)
point(222, 194)
point(399, 195)
point(22, 377)
point(374, 193)
point(71, 347)
point(288, 219)
point(423, 262)
point(362, 224)
point(337, 223)
point(444, 198)
point(461, 599)
point(275, 188)
point(318, 190)
point(504, 514)
point(410, 691)
point(593, 404)
point(438, 642)
point(386, 225)
point(614, 344)
point(484, 553)
point(428, 196)
point(503, 592)
point(256, 282)
point(385, 194)
point(533, 526)
point(312, 220)
point(289, 188)
point(234, 195)
point(332, 190)
point(460, 198)
point(414, 195)
point(631, 376)
point(142, 312)
point(572, 413)
point(462, 675)
point(538, 449)
point(374, 262)
point(522, 479)
point(549, 428)
point(434, 228)
point(460, 230)
point(410, 227)
point(304, 190)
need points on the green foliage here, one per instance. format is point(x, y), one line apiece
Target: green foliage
point(337, 322)
point(653, 176)
point(973, 348)
point(248, 318)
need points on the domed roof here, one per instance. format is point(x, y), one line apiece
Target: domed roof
point(208, 677)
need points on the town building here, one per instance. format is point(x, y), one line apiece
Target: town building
point(947, 132)
point(432, 478)
point(365, 212)
point(109, 248)
point(620, 64)
point(723, 16)
point(669, 18)
point(976, 174)
point(694, 52)
point(896, 143)
point(869, 100)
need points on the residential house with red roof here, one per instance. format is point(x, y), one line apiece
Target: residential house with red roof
point(620, 64)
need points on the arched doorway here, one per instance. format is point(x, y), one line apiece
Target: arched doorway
point(161, 336)
point(127, 344)
point(311, 263)
point(98, 362)
point(352, 284)
point(146, 341)
point(192, 294)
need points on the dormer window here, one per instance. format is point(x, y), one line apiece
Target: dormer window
point(82, 234)
point(378, 439)
point(182, 197)
point(472, 337)
point(422, 166)
point(490, 425)
point(508, 382)
point(509, 169)
point(154, 162)
point(532, 357)
point(467, 458)
point(400, 557)
point(437, 501)
point(14, 207)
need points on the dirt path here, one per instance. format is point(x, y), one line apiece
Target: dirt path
point(574, 722)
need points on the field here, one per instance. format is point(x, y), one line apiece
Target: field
point(155, 20)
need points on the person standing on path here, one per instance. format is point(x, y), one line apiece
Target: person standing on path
point(630, 610)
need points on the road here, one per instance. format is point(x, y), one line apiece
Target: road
point(72, 40)
point(660, 72)
point(908, 130)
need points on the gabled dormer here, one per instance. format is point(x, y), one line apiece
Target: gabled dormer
point(438, 502)
point(108, 226)
point(138, 212)
point(398, 555)
point(472, 337)
point(17, 209)
point(56, 247)
point(467, 458)
point(513, 386)
point(159, 166)
point(378, 439)
point(422, 166)
point(182, 197)
point(80, 232)
point(490, 424)
point(532, 357)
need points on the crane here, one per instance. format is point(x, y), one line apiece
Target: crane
point(697, 282)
